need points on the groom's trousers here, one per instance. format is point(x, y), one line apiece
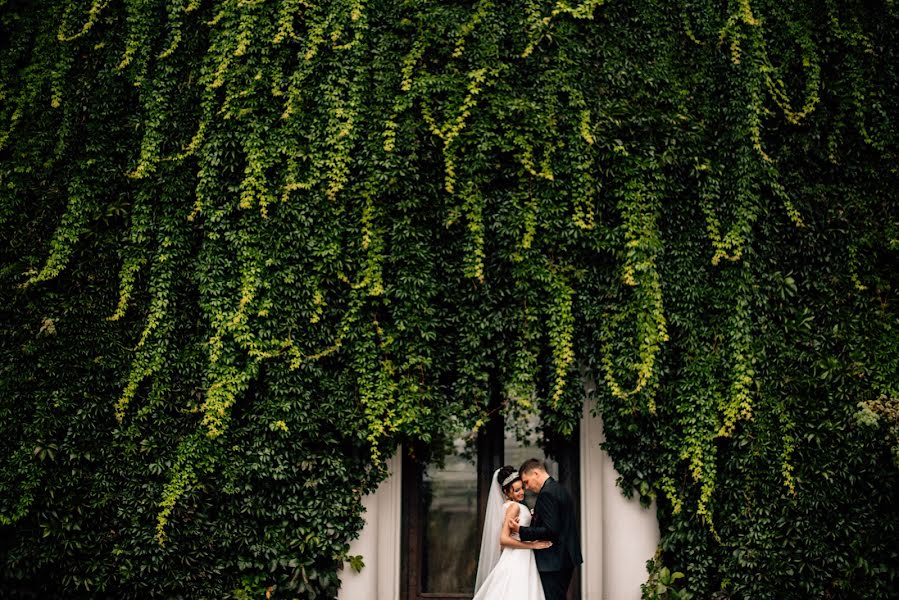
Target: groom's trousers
point(555, 583)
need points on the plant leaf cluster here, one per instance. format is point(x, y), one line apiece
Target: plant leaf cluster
point(249, 246)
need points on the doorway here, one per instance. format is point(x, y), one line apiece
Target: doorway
point(443, 503)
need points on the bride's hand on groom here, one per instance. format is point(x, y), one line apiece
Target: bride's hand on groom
point(541, 544)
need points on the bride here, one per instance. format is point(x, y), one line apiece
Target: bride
point(506, 568)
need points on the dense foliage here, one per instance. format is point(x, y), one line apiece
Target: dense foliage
point(249, 246)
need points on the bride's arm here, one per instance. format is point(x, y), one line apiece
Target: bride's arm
point(505, 535)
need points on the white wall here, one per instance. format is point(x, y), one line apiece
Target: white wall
point(378, 543)
point(619, 535)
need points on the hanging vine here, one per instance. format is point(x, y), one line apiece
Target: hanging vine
point(252, 246)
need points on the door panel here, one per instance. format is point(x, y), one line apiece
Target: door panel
point(450, 539)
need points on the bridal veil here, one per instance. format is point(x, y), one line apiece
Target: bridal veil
point(493, 524)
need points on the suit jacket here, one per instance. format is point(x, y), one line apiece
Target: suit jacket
point(554, 520)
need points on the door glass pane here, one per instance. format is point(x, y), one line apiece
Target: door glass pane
point(521, 443)
point(451, 544)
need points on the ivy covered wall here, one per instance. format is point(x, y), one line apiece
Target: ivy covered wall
point(248, 246)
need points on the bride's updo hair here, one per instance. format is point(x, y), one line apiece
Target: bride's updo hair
point(504, 474)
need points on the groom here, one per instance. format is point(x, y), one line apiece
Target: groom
point(553, 520)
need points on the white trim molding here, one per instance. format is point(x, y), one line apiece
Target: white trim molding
point(378, 542)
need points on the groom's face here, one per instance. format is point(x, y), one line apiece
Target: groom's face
point(531, 481)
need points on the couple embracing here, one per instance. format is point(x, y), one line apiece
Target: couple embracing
point(524, 556)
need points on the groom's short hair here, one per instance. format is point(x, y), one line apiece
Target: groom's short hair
point(530, 465)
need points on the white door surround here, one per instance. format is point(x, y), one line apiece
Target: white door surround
point(618, 536)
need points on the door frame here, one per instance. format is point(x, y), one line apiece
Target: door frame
point(489, 458)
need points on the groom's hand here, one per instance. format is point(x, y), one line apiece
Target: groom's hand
point(513, 524)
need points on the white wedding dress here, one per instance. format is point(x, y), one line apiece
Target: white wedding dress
point(515, 575)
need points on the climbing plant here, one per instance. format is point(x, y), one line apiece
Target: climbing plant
point(249, 246)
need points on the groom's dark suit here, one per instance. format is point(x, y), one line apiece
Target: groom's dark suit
point(554, 520)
